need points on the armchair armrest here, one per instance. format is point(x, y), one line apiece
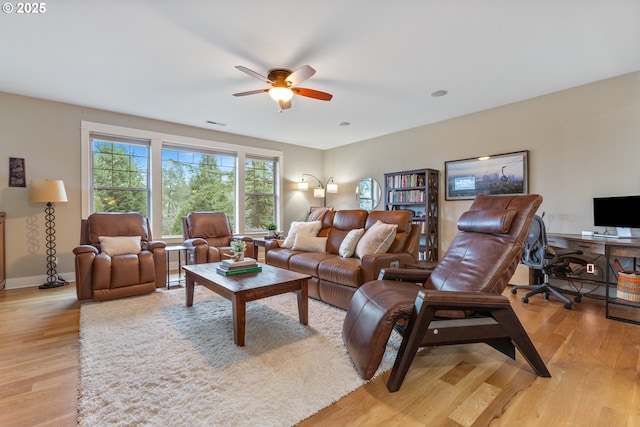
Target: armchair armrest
point(405, 274)
point(196, 241)
point(476, 301)
point(373, 263)
point(83, 249)
point(154, 244)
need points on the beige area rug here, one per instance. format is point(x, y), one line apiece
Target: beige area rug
point(151, 361)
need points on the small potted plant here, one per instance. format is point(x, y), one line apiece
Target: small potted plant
point(271, 228)
point(238, 247)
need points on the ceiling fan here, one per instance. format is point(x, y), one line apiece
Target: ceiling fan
point(284, 85)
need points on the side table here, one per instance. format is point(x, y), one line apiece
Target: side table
point(182, 251)
point(258, 242)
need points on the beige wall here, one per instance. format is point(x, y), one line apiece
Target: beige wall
point(582, 142)
point(47, 135)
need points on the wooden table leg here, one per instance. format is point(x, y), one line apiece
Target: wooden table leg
point(189, 285)
point(239, 319)
point(303, 302)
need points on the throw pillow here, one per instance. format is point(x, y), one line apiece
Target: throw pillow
point(377, 239)
point(348, 245)
point(119, 245)
point(299, 227)
point(310, 243)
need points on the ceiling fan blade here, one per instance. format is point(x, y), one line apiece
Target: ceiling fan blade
point(253, 74)
point(251, 92)
point(311, 93)
point(300, 75)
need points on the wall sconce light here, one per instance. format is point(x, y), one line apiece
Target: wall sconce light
point(319, 192)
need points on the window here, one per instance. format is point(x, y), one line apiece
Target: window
point(167, 176)
point(260, 193)
point(120, 175)
point(195, 180)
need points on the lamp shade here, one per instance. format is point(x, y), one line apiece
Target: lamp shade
point(303, 185)
point(332, 187)
point(318, 192)
point(47, 190)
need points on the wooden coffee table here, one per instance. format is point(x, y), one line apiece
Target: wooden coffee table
point(241, 288)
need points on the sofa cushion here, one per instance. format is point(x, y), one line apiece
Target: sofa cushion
point(308, 262)
point(300, 227)
point(345, 271)
point(343, 222)
point(348, 245)
point(310, 243)
point(377, 239)
point(119, 245)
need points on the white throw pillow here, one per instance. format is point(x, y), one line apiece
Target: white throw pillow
point(299, 227)
point(310, 243)
point(119, 245)
point(377, 239)
point(348, 245)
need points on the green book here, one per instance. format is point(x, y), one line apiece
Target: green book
point(238, 271)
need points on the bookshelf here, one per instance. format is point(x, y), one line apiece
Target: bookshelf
point(416, 191)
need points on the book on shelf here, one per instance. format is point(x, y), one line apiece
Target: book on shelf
point(229, 264)
point(224, 272)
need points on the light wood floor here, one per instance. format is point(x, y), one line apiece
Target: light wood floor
point(595, 365)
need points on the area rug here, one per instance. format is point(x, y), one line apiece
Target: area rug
point(152, 361)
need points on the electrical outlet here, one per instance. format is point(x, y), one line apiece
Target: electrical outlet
point(591, 269)
point(395, 264)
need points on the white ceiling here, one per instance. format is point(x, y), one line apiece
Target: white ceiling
point(174, 60)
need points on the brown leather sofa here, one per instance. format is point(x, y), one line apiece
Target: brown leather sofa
point(208, 236)
point(100, 276)
point(335, 279)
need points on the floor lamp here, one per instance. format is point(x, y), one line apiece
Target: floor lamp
point(49, 191)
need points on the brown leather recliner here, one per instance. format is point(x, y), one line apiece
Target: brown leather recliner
point(208, 236)
point(102, 277)
point(460, 301)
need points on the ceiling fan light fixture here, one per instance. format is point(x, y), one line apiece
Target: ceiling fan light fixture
point(281, 94)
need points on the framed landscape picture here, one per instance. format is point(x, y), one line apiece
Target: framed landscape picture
point(497, 174)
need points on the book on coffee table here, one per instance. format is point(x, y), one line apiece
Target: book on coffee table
point(225, 272)
point(237, 265)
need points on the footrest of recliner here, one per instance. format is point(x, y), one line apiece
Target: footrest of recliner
point(373, 310)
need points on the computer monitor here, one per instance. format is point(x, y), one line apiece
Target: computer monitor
point(620, 212)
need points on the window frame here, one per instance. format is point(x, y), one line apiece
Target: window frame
point(157, 141)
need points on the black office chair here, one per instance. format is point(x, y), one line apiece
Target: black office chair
point(551, 263)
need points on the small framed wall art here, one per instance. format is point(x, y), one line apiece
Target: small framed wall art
point(498, 174)
point(17, 175)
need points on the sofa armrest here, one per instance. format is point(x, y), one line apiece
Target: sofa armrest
point(273, 244)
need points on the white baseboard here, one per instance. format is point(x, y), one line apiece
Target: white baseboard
point(32, 281)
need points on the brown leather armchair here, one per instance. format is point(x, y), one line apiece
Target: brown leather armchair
point(100, 276)
point(459, 302)
point(208, 236)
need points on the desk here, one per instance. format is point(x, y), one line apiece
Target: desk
point(627, 248)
